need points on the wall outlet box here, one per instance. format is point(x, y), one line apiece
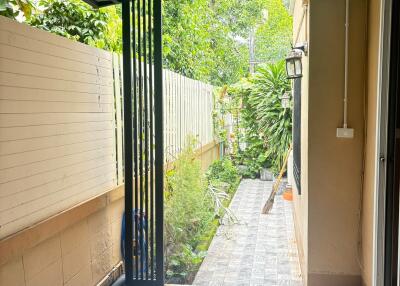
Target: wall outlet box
point(345, 133)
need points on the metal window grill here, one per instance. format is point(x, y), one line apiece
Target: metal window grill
point(297, 134)
point(143, 139)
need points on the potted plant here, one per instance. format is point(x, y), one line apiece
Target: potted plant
point(266, 175)
point(265, 172)
point(288, 193)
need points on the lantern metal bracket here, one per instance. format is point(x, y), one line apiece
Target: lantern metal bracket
point(302, 47)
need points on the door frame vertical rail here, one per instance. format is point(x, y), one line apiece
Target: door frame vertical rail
point(127, 85)
point(144, 173)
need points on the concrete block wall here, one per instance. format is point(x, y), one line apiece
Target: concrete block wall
point(82, 254)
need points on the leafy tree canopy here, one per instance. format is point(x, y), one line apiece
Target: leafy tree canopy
point(203, 39)
point(13, 8)
point(76, 20)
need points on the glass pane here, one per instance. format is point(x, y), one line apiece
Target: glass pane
point(298, 67)
point(290, 68)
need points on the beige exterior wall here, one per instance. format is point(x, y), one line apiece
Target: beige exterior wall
point(300, 202)
point(335, 165)
point(328, 219)
point(370, 147)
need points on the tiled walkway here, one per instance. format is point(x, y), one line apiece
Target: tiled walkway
point(259, 249)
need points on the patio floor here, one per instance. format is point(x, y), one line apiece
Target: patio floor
point(259, 249)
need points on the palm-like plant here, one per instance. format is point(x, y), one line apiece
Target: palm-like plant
point(268, 126)
point(272, 121)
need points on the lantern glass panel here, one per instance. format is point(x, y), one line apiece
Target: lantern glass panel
point(290, 67)
point(298, 66)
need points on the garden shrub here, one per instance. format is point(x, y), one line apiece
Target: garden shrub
point(188, 213)
point(224, 171)
point(191, 215)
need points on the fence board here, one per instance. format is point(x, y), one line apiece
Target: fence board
point(20, 172)
point(18, 80)
point(188, 107)
point(55, 197)
point(29, 182)
point(19, 67)
point(33, 106)
point(43, 213)
point(35, 57)
point(21, 93)
point(118, 118)
point(21, 41)
point(26, 132)
point(41, 143)
point(29, 195)
point(20, 159)
point(35, 119)
point(27, 31)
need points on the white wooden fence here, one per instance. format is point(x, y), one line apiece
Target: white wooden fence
point(188, 107)
point(61, 123)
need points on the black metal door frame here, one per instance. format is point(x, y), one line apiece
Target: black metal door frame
point(393, 156)
point(143, 142)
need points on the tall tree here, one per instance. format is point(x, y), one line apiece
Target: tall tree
point(274, 37)
point(200, 39)
point(208, 39)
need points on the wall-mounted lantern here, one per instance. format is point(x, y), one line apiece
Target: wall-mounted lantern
point(285, 100)
point(294, 68)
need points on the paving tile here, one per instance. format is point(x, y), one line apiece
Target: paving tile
point(259, 249)
point(269, 282)
point(201, 283)
point(247, 283)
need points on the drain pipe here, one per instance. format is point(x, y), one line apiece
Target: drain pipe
point(346, 65)
point(346, 132)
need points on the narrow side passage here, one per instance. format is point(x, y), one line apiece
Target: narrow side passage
point(259, 249)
